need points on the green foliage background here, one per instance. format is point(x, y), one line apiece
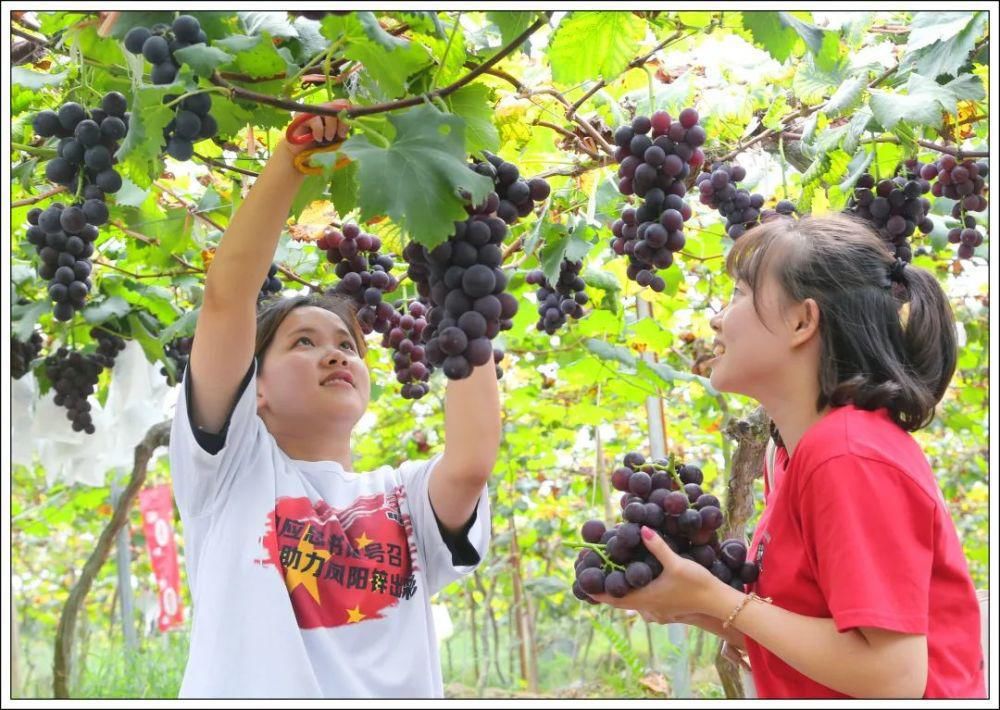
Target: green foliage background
point(865, 94)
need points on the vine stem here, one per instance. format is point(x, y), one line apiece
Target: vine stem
point(239, 92)
point(957, 152)
point(34, 150)
point(447, 48)
point(38, 198)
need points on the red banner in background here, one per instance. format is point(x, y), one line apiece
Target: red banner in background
point(157, 509)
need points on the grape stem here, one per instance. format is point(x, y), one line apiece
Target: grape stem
point(599, 549)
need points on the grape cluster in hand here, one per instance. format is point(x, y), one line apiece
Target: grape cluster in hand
point(465, 284)
point(895, 207)
point(74, 376)
point(178, 350)
point(516, 196)
point(365, 275)
point(409, 359)
point(564, 300)
point(965, 183)
point(21, 354)
point(192, 119)
point(670, 500)
point(718, 189)
point(655, 155)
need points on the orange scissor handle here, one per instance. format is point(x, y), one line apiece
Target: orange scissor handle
point(302, 164)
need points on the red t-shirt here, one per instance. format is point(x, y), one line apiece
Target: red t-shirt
point(856, 530)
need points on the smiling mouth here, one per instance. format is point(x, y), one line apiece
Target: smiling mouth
point(719, 350)
point(333, 381)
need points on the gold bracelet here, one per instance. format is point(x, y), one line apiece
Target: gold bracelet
point(739, 607)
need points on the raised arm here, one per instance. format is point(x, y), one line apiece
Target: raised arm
point(472, 439)
point(224, 336)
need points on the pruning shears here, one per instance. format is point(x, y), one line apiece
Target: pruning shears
point(298, 133)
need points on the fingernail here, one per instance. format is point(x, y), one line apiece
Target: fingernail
point(647, 533)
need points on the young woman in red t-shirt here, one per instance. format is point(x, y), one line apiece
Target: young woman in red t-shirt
point(863, 590)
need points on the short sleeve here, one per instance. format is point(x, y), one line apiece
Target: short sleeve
point(434, 549)
point(869, 530)
point(203, 466)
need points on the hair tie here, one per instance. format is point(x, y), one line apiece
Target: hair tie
point(896, 270)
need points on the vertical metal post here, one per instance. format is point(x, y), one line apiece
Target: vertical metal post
point(680, 674)
point(124, 563)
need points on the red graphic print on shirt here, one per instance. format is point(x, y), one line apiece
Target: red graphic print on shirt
point(342, 566)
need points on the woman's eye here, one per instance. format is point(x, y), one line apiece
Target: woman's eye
point(348, 344)
point(304, 339)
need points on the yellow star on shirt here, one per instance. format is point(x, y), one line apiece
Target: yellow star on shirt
point(363, 541)
point(354, 615)
point(294, 577)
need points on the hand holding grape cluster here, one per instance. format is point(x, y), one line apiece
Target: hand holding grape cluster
point(668, 500)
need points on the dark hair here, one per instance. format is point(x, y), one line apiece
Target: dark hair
point(886, 341)
point(272, 312)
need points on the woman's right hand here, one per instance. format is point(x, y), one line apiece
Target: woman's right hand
point(324, 128)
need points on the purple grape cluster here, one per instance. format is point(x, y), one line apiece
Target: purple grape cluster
point(465, 286)
point(655, 155)
point(179, 351)
point(516, 196)
point(74, 376)
point(21, 354)
point(667, 497)
point(719, 190)
point(365, 275)
point(965, 183)
point(192, 119)
point(409, 360)
point(895, 207)
point(565, 299)
point(272, 284)
point(64, 235)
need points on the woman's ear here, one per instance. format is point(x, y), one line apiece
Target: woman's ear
point(805, 321)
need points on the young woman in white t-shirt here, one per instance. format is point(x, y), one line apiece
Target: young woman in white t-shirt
point(309, 579)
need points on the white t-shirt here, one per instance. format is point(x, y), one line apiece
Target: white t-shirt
point(308, 580)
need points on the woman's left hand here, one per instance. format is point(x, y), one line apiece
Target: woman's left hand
point(682, 589)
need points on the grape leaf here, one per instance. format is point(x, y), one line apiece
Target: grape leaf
point(510, 23)
point(139, 154)
point(472, 102)
point(23, 318)
point(945, 56)
point(922, 104)
point(344, 188)
point(20, 76)
point(592, 45)
point(415, 180)
point(376, 33)
point(769, 32)
point(846, 96)
point(274, 24)
point(574, 245)
point(388, 68)
point(927, 28)
point(254, 56)
point(112, 307)
point(203, 59)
